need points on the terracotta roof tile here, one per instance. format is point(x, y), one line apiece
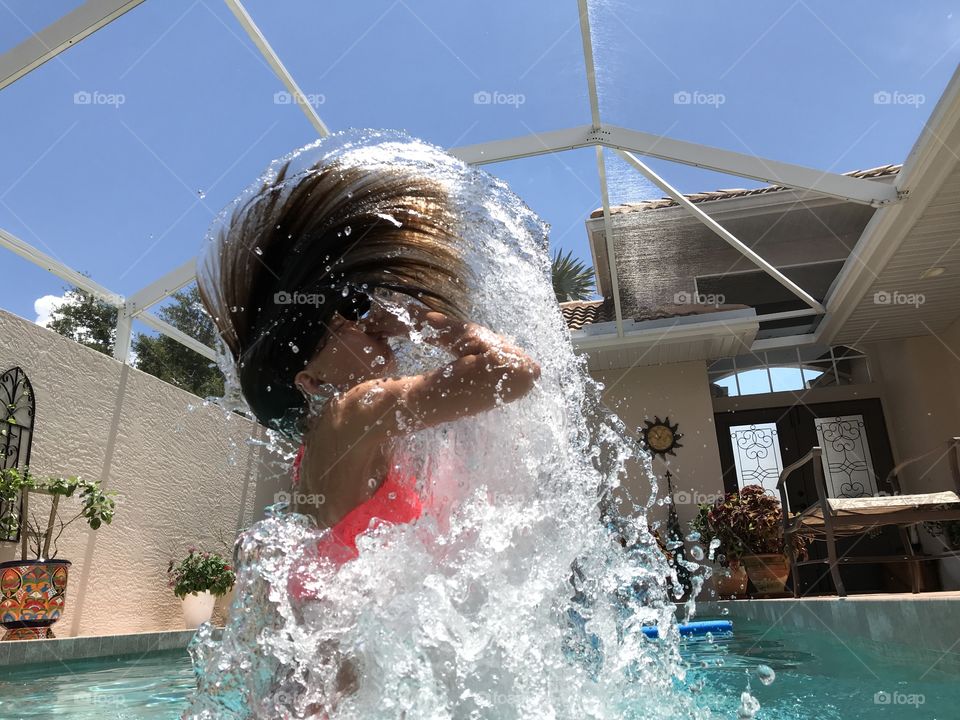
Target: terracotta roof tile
point(881, 171)
point(578, 313)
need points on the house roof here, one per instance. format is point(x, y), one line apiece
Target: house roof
point(877, 172)
point(579, 313)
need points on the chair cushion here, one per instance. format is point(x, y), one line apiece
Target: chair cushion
point(866, 507)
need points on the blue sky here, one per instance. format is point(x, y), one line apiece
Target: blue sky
point(185, 115)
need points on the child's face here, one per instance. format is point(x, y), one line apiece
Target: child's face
point(348, 354)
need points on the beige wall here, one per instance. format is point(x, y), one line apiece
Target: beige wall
point(184, 476)
point(681, 391)
point(920, 377)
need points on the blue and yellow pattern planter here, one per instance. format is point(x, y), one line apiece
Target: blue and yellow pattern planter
point(32, 596)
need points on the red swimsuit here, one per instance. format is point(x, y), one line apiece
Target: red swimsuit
point(395, 501)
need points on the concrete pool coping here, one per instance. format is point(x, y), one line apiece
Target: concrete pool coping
point(83, 647)
point(928, 622)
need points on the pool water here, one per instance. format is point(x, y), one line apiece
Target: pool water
point(817, 676)
point(822, 676)
point(151, 686)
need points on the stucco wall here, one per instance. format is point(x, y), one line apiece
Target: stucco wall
point(186, 474)
point(920, 377)
point(681, 391)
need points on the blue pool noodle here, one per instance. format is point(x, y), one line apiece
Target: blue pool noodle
point(700, 627)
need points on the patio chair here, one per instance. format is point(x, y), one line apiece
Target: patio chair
point(831, 518)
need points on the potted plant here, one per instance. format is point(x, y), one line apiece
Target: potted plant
point(198, 580)
point(749, 526)
point(33, 588)
point(730, 577)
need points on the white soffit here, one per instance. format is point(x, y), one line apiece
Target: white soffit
point(879, 293)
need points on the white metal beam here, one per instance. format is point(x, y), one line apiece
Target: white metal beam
point(274, 61)
point(162, 288)
point(59, 36)
point(590, 71)
point(845, 187)
point(41, 259)
point(738, 245)
point(525, 146)
point(123, 338)
point(608, 240)
point(588, 65)
point(172, 332)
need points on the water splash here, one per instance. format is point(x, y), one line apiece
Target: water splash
point(522, 593)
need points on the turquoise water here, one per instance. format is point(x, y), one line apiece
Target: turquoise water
point(817, 676)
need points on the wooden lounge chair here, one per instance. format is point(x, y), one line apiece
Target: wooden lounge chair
point(830, 518)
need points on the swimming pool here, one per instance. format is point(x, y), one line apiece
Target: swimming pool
point(817, 676)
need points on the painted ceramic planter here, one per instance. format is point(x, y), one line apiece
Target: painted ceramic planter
point(198, 609)
point(32, 596)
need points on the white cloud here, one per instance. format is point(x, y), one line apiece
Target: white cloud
point(45, 306)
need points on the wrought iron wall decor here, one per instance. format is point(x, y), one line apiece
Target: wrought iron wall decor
point(17, 415)
point(847, 465)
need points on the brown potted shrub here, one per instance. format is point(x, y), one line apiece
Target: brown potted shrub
point(730, 577)
point(33, 588)
point(749, 526)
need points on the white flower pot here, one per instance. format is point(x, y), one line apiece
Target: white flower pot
point(198, 609)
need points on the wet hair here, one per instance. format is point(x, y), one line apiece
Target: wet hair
point(316, 243)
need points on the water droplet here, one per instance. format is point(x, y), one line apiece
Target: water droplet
point(714, 544)
point(766, 674)
point(294, 348)
point(258, 251)
point(201, 194)
point(748, 706)
point(347, 230)
point(697, 552)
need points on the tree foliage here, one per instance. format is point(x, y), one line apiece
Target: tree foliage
point(86, 319)
point(92, 322)
point(572, 278)
point(177, 364)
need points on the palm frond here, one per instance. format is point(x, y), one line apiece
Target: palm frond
point(572, 278)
